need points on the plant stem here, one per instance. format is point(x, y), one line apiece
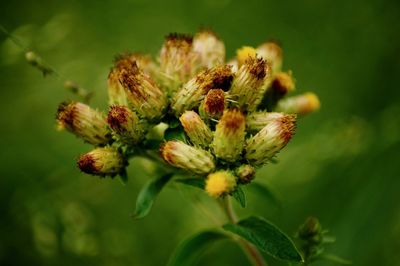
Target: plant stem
point(251, 251)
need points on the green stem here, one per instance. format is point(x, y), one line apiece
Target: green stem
point(251, 251)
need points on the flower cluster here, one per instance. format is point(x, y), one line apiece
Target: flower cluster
point(232, 116)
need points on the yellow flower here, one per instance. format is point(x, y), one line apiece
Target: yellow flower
point(220, 183)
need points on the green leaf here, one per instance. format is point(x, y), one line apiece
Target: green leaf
point(190, 250)
point(194, 182)
point(148, 194)
point(176, 133)
point(152, 144)
point(174, 123)
point(239, 196)
point(267, 237)
point(266, 192)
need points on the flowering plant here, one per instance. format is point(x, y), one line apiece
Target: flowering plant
point(203, 122)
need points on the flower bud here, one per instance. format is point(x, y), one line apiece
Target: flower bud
point(116, 92)
point(197, 131)
point(177, 60)
point(84, 122)
point(210, 48)
point(310, 228)
point(143, 61)
point(301, 104)
point(229, 135)
point(191, 94)
point(184, 156)
point(125, 124)
point(257, 120)
point(143, 94)
point(270, 140)
point(213, 104)
point(220, 183)
point(281, 84)
point(102, 161)
point(271, 52)
point(248, 86)
point(246, 173)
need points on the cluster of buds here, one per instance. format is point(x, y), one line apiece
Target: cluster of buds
point(236, 115)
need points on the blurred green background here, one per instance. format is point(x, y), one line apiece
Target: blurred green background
point(342, 166)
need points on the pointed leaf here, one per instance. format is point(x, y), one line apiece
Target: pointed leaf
point(194, 182)
point(176, 133)
point(239, 196)
point(190, 250)
point(148, 194)
point(267, 237)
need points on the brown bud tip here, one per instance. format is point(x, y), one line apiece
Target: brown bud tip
point(287, 126)
point(117, 116)
point(87, 164)
point(66, 114)
point(232, 121)
point(258, 67)
point(165, 151)
point(214, 103)
point(219, 77)
point(178, 40)
point(105, 161)
point(283, 83)
point(129, 76)
point(272, 52)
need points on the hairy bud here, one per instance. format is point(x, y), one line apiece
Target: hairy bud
point(229, 135)
point(144, 62)
point(271, 52)
point(246, 173)
point(220, 183)
point(258, 120)
point(281, 84)
point(197, 131)
point(248, 86)
point(84, 122)
point(143, 94)
point(177, 60)
point(213, 104)
point(125, 124)
point(301, 104)
point(184, 156)
point(116, 92)
point(105, 161)
point(191, 94)
point(210, 48)
point(270, 140)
